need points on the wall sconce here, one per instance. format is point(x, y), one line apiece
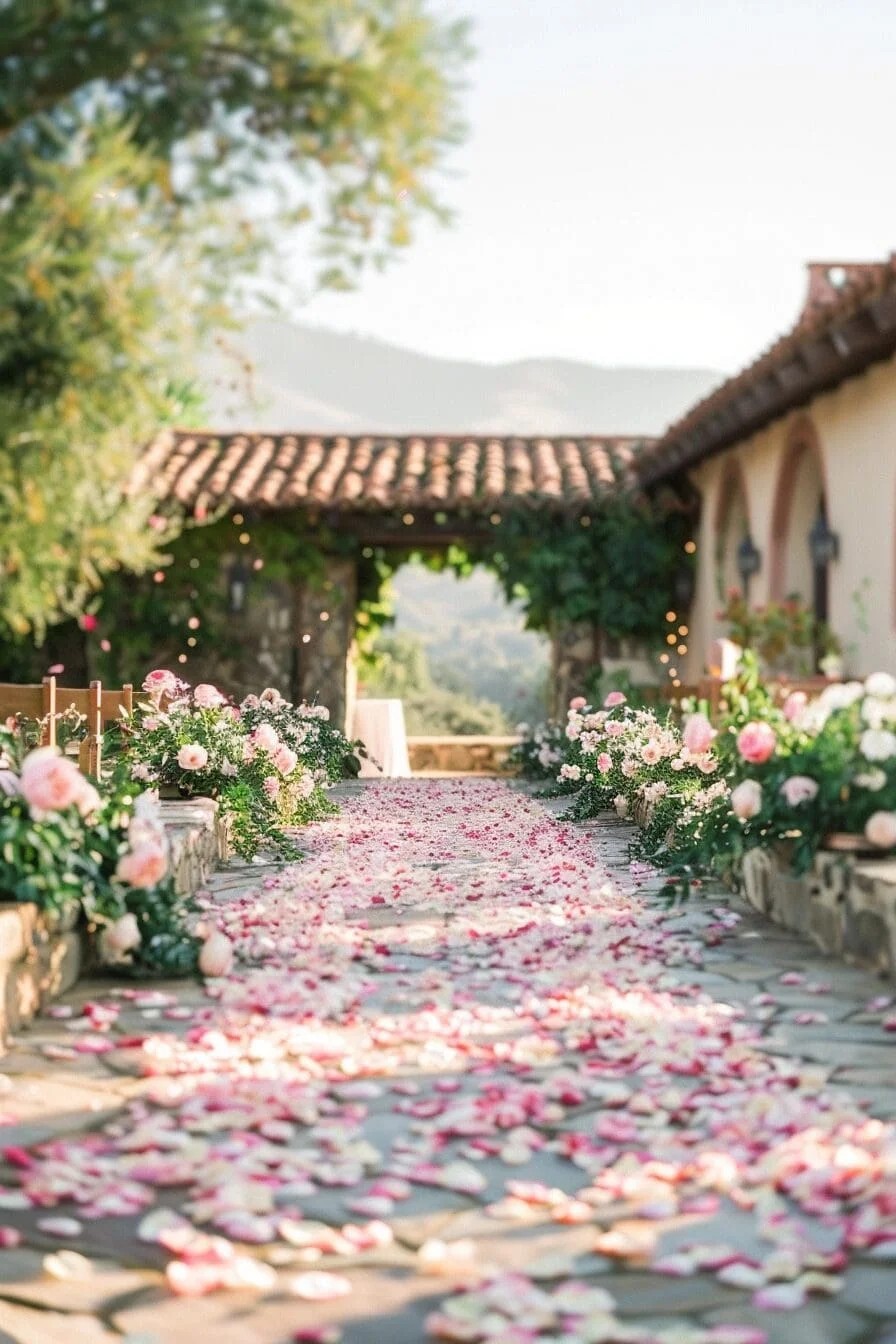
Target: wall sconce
point(237, 586)
point(824, 545)
point(749, 560)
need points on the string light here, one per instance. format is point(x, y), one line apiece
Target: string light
point(181, 657)
point(245, 538)
point(495, 519)
point(306, 639)
point(325, 616)
point(194, 563)
point(690, 547)
point(682, 629)
point(671, 616)
point(192, 642)
point(407, 519)
point(682, 649)
point(585, 520)
point(238, 520)
point(258, 563)
point(671, 639)
point(159, 576)
point(194, 622)
point(664, 657)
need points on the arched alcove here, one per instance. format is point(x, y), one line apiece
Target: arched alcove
point(732, 525)
point(800, 498)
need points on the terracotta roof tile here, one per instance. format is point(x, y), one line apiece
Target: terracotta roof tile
point(369, 474)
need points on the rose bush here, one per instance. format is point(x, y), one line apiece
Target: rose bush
point(768, 774)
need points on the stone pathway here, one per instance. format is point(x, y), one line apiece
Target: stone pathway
point(471, 1080)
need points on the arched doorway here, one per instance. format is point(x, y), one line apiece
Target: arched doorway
point(801, 512)
point(732, 528)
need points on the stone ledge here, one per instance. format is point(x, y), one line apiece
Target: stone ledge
point(42, 955)
point(847, 906)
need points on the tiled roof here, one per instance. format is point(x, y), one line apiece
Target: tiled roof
point(847, 324)
point(201, 471)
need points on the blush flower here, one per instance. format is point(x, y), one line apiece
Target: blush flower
point(50, 781)
point(605, 762)
point(192, 757)
point(746, 800)
point(207, 696)
point(265, 737)
point(285, 759)
point(799, 789)
point(880, 829)
point(160, 682)
point(577, 702)
point(794, 706)
point(143, 866)
point(698, 734)
point(651, 753)
point(756, 742)
point(122, 936)
point(613, 699)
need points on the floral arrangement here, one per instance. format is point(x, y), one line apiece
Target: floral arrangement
point(784, 635)
point(266, 762)
point(65, 843)
point(539, 751)
point(788, 775)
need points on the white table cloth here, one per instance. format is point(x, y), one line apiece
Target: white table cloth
point(380, 726)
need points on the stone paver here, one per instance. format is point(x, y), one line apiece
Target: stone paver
point(455, 987)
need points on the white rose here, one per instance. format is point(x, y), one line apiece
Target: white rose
point(881, 685)
point(841, 695)
point(799, 789)
point(746, 799)
point(877, 744)
point(872, 780)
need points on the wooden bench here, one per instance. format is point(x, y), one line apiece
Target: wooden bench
point(45, 703)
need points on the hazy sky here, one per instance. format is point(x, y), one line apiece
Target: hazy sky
point(644, 179)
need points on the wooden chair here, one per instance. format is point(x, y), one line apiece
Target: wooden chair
point(37, 703)
point(46, 702)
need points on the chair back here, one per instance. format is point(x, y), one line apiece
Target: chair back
point(37, 703)
point(99, 707)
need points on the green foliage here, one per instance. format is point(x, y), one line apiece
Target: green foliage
point(615, 570)
point(271, 111)
point(786, 636)
point(88, 350)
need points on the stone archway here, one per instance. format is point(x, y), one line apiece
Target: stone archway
point(409, 493)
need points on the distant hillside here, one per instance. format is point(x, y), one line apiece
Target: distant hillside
point(280, 375)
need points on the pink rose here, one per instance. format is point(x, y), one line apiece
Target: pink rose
point(271, 696)
point(160, 682)
point(285, 759)
point(50, 781)
point(207, 697)
point(756, 742)
point(698, 734)
point(605, 762)
point(651, 753)
point(143, 866)
point(799, 789)
point(192, 757)
point(614, 728)
point(265, 737)
point(88, 801)
point(613, 699)
point(746, 799)
point(577, 702)
point(880, 829)
point(123, 935)
point(794, 705)
point(272, 786)
point(216, 955)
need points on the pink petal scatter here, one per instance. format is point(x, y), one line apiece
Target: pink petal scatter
point(450, 990)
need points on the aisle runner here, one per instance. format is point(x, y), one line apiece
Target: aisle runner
point(454, 1046)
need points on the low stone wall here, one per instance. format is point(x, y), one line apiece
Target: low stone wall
point(42, 956)
point(460, 755)
point(846, 905)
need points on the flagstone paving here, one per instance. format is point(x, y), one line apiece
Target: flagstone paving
point(470, 1080)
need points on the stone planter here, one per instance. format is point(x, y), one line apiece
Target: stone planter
point(845, 904)
point(41, 956)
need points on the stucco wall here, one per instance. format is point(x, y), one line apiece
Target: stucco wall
point(854, 428)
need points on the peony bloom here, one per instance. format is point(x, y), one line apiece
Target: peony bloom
point(122, 936)
point(614, 729)
point(651, 753)
point(271, 696)
point(698, 734)
point(577, 702)
point(877, 744)
point(160, 682)
point(216, 955)
point(880, 685)
point(285, 759)
point(799, 789)
point(88, 801)
point(613, 699)
point(571, 772)
point(746, 799)
point(50, 781)
point(605, 762)
point(756, 742)
point(143, 866)
point(208, 697)
point(880, 828)
point(265, 737)
point(794, 706)
point(192, 757)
